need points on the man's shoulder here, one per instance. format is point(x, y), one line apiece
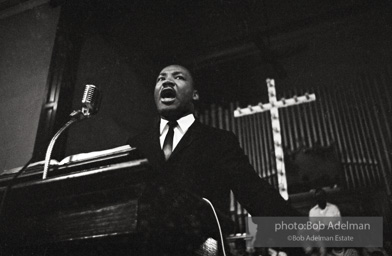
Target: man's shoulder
point(315, 208)
point(207, 131)
point(215, 132)
point(332, 206)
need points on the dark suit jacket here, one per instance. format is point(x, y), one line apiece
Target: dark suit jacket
point(209, 162)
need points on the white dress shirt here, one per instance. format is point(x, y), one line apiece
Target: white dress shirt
point(179, 131)
point(330, 210)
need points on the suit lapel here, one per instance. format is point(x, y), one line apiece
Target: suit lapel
point(190, 136)
point(152, 148)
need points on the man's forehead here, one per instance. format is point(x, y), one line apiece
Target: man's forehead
point(174, 69)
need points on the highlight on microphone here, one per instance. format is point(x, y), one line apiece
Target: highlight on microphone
point(91, 100)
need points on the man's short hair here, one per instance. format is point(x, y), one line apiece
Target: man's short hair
point(191, 69)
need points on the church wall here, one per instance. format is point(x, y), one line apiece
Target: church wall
point(26, 44)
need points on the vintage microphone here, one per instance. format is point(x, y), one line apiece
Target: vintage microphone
point(91, 100)
point(90, 105)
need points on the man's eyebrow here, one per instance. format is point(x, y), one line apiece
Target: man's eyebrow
point(174, 73)
point(178, 73)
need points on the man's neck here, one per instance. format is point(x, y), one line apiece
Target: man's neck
point(322, 205)
point(187, 117)
point(175, 117)
point(183, 124)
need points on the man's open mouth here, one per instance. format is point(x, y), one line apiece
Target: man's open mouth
point(168, 95)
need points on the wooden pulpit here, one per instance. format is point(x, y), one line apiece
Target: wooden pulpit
point(85, 206)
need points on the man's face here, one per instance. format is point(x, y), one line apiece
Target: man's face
point(174, 93)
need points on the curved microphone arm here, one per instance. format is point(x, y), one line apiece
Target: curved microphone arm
point(90, 104)
point(75, 116)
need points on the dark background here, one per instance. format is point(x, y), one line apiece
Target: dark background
point(51, 50)
point(232, 46)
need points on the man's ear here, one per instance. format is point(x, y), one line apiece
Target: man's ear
point(195, 95)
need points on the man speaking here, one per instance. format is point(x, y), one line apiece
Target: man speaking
point(194, 161)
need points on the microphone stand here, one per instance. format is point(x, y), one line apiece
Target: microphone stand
point(75, 116)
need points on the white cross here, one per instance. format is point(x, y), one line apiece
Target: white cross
point(273, 106)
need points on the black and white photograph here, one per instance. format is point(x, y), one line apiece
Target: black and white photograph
point(200, 128)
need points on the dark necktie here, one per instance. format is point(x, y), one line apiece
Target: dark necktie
point(168, 143)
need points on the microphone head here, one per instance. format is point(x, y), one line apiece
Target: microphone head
point(91, 100)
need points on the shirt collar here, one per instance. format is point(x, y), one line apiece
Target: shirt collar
point(184, 123)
